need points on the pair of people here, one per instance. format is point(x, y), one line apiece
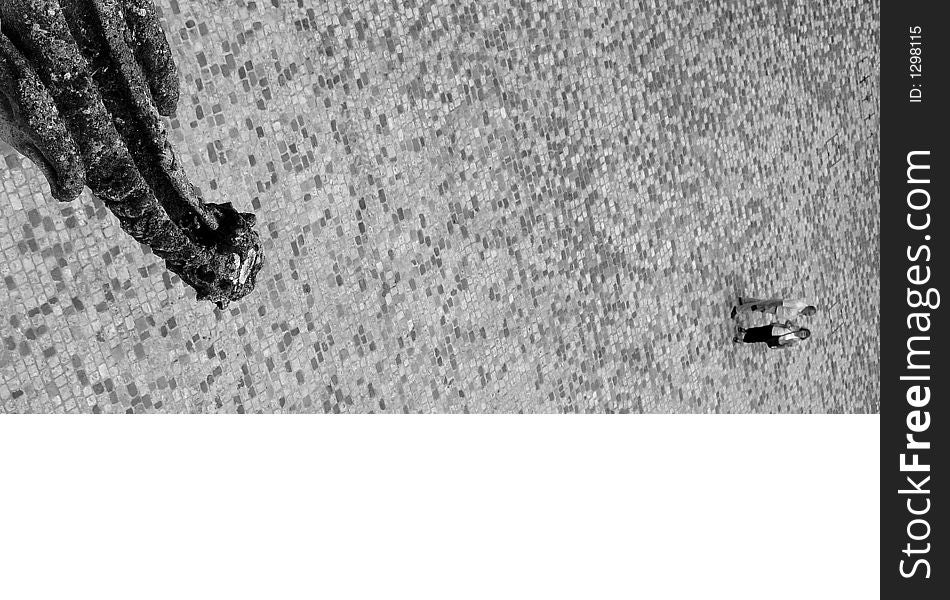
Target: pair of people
point(784, 332)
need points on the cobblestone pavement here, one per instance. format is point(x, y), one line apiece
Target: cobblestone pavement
point(480, 207)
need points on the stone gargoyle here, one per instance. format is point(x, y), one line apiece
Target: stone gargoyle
point(83, 88)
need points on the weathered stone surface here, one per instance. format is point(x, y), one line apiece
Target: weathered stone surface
point(85, 53)
point(148, 42)
point(30, 121)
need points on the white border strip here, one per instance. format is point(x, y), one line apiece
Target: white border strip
point(439, 507)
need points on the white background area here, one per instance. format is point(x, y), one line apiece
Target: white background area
point(654, 507)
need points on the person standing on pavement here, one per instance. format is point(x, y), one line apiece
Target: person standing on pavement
point(776, 336)
point(785, 310)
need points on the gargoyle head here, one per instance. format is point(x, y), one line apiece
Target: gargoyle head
point(230, 272)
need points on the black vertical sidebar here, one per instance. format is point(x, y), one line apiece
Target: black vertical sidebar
point(914, 273)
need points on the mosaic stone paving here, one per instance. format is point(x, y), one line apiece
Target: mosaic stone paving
point(480, 207)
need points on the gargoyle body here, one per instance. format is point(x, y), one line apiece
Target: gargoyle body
point(83, 87)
